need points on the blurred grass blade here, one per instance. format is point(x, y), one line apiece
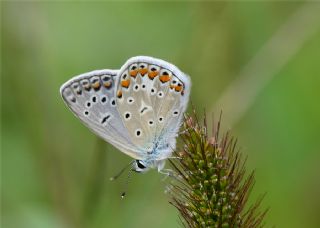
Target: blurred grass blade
point(268, 61)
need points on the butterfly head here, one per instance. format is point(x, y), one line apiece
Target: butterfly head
point(141, 166)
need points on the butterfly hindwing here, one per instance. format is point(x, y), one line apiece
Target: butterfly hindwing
point(152, 96)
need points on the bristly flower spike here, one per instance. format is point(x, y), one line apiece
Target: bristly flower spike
point(211, 189)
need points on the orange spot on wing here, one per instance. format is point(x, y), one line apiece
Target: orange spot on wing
point(178, 88)
point(125, 83)
point(133, 73)
point(96, 85)
point(164, 78)
point(119, 94)
point(107, 84)
point(153, 74)
point(143, 71)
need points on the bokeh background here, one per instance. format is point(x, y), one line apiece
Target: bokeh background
point(257, 61)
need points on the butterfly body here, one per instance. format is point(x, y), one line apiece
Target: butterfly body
point(138, 109)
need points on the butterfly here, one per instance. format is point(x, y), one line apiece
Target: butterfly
point(138, 109)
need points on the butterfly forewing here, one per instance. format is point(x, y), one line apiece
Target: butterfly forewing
point(151, 96)
point(91, 98)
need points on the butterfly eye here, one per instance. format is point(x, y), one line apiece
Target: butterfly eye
point(140, 164)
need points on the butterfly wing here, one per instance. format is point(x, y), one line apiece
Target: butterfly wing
point(152, 96)
point(90, 97)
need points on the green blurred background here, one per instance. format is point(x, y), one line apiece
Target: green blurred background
point(257, 61)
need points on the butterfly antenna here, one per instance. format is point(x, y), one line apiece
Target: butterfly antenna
point(121, 171)
point(123, 194)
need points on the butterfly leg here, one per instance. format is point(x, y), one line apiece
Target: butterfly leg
point(174, 157)
point(182, 132)
point(167, 173)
